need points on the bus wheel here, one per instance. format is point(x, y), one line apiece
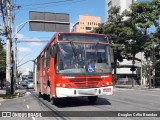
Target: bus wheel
point(92, 99)
point(53, 101)
point(48, 98)
point(39, 95)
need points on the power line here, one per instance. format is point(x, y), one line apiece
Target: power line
point(52, 5)
point(33, 41)
point(45, 3)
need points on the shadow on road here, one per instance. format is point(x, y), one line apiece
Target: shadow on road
point(80, 101)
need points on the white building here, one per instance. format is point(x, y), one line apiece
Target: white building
point(123, 4)
point(125, 74)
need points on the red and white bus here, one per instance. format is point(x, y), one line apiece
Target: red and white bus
point(74, 64)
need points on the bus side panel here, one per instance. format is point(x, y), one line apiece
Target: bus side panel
point(41, 74)
point(38, 82)
point(52, 77)
point(45, 80)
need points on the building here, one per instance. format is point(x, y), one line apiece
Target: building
point(124, 73)
point(123, 4)
point(86, 23)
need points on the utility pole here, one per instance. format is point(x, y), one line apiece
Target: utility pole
point(16, 71)
point(8, 47)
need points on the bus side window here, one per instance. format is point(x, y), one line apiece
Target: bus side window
point(48, 56)
point(53, 50)
point(38, 63)
point(56, 61)
point(61, 64)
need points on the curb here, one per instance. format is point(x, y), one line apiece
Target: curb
point(137, 88)
point(17, 94)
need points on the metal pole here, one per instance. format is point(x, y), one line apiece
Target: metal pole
point(25, 63)
point(133, 62)
point(154, 65)
point(8, 47)
point(16, 71)
point(12, 74)
point(35, 75)
point(18, 28)
point(141, 70)
point(133, 78)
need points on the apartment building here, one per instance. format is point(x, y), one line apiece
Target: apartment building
point(123, 4)
point(86, 23)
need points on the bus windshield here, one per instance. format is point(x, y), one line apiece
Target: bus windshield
point(83, 58)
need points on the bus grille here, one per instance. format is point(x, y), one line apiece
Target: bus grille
point(86, 82)
point(84, 85)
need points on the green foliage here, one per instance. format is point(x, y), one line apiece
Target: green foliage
point(157, 74)
point(2, 58)
point(128, 32)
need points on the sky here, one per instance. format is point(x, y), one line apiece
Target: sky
point(29, 51)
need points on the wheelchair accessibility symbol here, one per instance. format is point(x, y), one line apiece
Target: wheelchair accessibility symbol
point(91, 68)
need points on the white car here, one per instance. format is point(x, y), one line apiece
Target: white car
point(30, 83)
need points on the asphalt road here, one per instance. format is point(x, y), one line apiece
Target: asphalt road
point(122, 100)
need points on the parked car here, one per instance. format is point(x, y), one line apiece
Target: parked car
point(30, 83)
point(24, 83)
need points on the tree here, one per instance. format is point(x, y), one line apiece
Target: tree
point(145, 15)
point(114, 29)
point(129, 31)
point(121, 32)
point(156, 6)
point(2, 62)
point(2, 57)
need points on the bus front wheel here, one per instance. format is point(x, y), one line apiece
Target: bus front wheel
point(39, 95)
point(92, 99)
point(53, 101)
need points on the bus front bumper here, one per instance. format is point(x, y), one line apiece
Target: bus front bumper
point(75, 92)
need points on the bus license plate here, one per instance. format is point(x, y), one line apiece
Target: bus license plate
point(88, 92)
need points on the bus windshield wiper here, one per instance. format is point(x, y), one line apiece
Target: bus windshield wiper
point(74, 51)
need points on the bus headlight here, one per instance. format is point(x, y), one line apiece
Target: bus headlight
point(58, 85)
point(63, 85)
point(107, 83)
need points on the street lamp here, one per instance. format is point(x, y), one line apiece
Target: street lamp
point(18, 28)
point(25, 63)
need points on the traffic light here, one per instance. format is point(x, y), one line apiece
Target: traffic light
point(133, 68)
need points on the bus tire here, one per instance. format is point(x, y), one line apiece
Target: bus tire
point(48, 98)
point(92, 99)
point(53, 101)
point(39, 95)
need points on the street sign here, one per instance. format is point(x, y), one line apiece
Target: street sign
point(50, 22)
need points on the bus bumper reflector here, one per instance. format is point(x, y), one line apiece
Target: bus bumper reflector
point(107, 90)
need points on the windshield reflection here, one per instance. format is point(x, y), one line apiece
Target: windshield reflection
point(83, 58)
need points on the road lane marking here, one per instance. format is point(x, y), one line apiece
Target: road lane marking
point(27, 106)
point(33, 118)
point(0, 104)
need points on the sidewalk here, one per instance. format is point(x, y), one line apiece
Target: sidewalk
point(18, 93)
point(136, 87)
